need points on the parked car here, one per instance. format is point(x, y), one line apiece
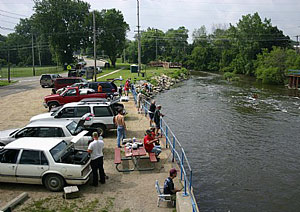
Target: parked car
point(66, 81)
point(70, 94)
point(63, 129)
point(51, 162)
point(103, 114)
point(107, 87)
point(47, 80)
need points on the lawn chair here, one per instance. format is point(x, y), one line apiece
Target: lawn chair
point(161, 196)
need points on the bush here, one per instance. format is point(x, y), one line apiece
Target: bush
point(230, 76)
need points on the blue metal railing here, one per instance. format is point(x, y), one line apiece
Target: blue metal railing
point(178, 154)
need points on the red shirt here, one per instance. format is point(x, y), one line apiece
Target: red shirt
point(148, 147)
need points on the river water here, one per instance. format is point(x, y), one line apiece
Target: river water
point(244, 149)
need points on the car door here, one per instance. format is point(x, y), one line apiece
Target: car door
point(66, 113)
point(32, 165)
point(70, 96)
point(80, 111)
point(8, 165)
point(103, 115)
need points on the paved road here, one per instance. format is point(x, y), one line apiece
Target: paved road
point(23, 84)
point(29, 83)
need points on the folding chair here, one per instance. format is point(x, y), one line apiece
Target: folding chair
point(161, 196)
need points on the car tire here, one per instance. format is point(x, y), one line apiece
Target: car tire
point(101, 129)
point(52, 105)
point(43, 86)
point(54, 182)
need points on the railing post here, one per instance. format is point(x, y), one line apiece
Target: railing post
point(167, 138)
point(191, 178)
point(184, 193)
point(181, 165)
point(173, 149)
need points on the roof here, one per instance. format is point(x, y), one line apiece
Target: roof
point(49, 123)
point(33, 143)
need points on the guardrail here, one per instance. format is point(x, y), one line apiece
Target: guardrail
point(178, 154)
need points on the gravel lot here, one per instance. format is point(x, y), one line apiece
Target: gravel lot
point(133, 191)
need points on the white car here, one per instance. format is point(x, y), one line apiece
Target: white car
point(103, 114)
point(48, 161)
point(63, 129)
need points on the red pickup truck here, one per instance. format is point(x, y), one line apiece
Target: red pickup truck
point(70, 94)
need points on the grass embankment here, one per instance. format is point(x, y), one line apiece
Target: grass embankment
point(148, 74)
point(5, 82)
point(27, 71)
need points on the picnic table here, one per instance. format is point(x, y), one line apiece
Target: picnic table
point(135, 155)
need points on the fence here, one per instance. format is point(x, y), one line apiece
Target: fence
point(178, 154)
point(27, 71)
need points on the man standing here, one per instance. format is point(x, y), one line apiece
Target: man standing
point(156, 118)
point(96, 151)
point(121, 127)
point(151, 112)
point(149, 141)
point(169, 185)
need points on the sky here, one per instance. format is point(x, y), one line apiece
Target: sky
point(166, 14)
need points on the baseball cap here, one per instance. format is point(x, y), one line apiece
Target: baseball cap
point(173, 171)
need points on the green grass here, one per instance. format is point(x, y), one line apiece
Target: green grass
point(149, 72)
point(5, 82)
point(27, 71)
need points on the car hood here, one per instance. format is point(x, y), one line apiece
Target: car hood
point(41, 116)
point(4, 136)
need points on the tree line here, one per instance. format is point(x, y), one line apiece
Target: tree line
point(58, 29)
point(252, 47)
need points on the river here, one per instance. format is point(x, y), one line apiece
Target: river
point(242, 141)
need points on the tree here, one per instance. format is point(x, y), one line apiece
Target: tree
point(271, 67)
point(111, 32)
point(62, 21)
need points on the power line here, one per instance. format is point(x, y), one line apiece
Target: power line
point(13, 13)
point(9, 16)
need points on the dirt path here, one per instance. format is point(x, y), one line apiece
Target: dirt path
point(133, 191)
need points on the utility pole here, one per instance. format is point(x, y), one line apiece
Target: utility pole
point(39, 49)
point(33, 68)
point(139, 37)
point(297, 48)
point(8, 68)
point(95, 62)
point(156, 45)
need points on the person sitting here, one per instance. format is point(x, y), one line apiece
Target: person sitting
point(149, 141)
point(169, 185)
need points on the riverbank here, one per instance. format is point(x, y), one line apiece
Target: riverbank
point(133, 191)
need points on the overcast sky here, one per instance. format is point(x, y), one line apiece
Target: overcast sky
point(166, 14)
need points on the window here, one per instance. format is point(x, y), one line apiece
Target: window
point(67, 112)
point(71, 92)
point(50, 132)
point(33, 157)
point(58, 150)
point(102, 112)
point(72, 128)
point(30, 157)
point(9, 155)
point(27, 132)
point(80, 111)
point(46, 77)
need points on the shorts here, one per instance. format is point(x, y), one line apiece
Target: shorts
point(151, 115)
point(157, 125)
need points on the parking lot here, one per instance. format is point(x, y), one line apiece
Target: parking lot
point(123, 191)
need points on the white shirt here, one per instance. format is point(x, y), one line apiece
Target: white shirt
point(96, 146)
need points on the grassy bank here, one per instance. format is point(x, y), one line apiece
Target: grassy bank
point(148, 73)
point(27, 71)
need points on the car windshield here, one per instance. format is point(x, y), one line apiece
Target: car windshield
point(73, 129)
point(58, 151)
